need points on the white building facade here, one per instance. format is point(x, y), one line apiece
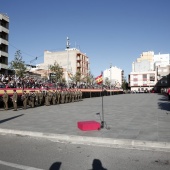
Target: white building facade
point(4, 33)
point(150, 71)
point(114, 75)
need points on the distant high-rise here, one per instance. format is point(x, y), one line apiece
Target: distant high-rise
point(4, 32)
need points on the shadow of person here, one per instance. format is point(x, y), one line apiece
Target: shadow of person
point(55, 166)
point(97, 165)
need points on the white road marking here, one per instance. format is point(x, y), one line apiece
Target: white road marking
point(18, 166)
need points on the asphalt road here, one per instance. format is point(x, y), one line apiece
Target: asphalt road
point(18, 152)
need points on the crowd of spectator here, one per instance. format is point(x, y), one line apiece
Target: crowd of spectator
point(12, 81)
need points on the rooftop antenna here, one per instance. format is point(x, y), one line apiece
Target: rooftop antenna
point(68, 43)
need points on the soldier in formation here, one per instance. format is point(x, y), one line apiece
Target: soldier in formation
point(47, 97)
point(24, 98)
point(14, 100)
point(5, 100)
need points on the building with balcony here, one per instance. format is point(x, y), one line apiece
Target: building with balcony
point(71, 61)
point(4, 33)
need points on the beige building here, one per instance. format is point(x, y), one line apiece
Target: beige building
point(4, 32)
point(71, 60)
point(146, 56)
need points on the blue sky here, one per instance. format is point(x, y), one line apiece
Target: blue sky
point(109, 31)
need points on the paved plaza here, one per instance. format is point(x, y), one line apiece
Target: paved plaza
point(141, 117)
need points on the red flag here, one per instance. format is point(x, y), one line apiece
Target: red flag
point(99, 79)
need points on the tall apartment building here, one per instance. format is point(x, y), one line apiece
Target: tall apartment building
point(114, 75)
point(150, 71)
point(4, 32)
point(71, 60)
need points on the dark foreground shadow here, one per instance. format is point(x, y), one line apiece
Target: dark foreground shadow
point(55, 166)
point(97, 165)
point(14, 117)
point(164, 106)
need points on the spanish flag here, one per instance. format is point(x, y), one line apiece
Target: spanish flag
point(99, 79)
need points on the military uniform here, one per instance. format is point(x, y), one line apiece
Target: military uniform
point(69, 96)
point(47, 103)
point(41, 98)
point(24, 98)
point(58, 96)
point(81, 94)
point(36, 98)
point(78, 95)
point(14, 100)
point(66, 96)
point(50, 95)
point(54, 97)
point(72, 95)
point(32, 99)
point(62, 96)
point(5, 100)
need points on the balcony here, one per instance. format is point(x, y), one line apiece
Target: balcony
point(78, 58)
point(78, 65)
point(2, 29)
point(2, 41)
point(4, 66)
point(2, 53)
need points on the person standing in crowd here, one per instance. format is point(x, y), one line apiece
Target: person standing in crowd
point(5, 100)
point(14, 100)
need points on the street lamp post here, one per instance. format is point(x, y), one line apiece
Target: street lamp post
point(67, 46)
point(110, 78)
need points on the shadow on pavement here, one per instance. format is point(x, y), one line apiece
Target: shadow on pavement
point(97, 165)
point(55, 166)
point(8, 119)
point(164, 106)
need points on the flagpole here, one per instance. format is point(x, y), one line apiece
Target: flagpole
point(99, 80)
point(102, 122)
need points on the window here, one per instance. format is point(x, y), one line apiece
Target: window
point(152, 77)
point(144, 76)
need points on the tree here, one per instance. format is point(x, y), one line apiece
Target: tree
point(107, 82)
point(124, 84)
point(18, 64)
point(89, 79)
point(58, 71)
point(76, 78)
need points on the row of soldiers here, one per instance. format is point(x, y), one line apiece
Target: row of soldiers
point(39, 98)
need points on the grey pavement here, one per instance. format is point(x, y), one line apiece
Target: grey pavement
point(133, 119)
